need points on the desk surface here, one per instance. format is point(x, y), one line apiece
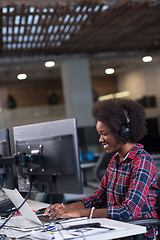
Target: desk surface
point(119, 229)
point(116, 229)
point(88, 164)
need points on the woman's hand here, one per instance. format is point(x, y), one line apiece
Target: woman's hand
point(50, 211)
point(74, 210)
point(60, 210)
point(67, 212)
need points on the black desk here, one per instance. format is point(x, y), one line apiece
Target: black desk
point(85, 166)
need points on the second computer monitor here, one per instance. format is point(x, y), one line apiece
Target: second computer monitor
point(48, 152)
point(6, 170)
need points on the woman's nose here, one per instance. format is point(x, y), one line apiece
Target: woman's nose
point(101, 139)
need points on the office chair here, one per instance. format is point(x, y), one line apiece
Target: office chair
point(149, 221)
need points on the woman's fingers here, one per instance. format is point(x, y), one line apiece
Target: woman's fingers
point(51, 209)
point(59, 210)
point(64, 212)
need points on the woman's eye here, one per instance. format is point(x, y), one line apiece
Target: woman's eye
point(104, 134)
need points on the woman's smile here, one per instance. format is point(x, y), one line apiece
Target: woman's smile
point(105, 145)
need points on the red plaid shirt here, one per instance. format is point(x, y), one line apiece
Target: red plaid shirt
point(128, 188)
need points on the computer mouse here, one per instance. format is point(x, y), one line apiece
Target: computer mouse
point(40, 211)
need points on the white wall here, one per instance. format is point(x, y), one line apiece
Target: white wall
point(10, 118)
point(143, 82)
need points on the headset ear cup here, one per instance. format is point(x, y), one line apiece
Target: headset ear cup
point(125, 132)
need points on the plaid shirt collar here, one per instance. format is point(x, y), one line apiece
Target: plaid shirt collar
point(131, 154)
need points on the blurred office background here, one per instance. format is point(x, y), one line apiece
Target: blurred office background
point(83, 39)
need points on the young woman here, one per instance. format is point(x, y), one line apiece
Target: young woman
point(129, 187)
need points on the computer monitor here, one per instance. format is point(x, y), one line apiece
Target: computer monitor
point(6, 166)
point(49, 153)
point(151, 140)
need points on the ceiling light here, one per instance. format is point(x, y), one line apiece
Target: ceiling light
point(114, 95)
point(49, 64)
point(22, 76)
point(105, 97)
point(109, 71)
point(105, 7)
point(147, 59)
point(122, 94)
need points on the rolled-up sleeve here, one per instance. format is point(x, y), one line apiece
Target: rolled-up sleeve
point(99, 198)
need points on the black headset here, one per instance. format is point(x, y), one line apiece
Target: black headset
point(125, 130)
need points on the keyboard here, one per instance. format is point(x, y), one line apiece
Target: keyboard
point(45, 219)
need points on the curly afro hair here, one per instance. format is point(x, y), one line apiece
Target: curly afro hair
point(111, 112)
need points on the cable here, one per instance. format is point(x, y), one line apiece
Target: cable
point(28, 194)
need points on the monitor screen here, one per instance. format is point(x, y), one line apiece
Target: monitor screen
point(49, 153)
point(6, 170)
point(151, 140)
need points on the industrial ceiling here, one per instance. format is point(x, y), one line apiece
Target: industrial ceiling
point(44, 29)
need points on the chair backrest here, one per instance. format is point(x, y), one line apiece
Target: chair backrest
point(158, 197)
